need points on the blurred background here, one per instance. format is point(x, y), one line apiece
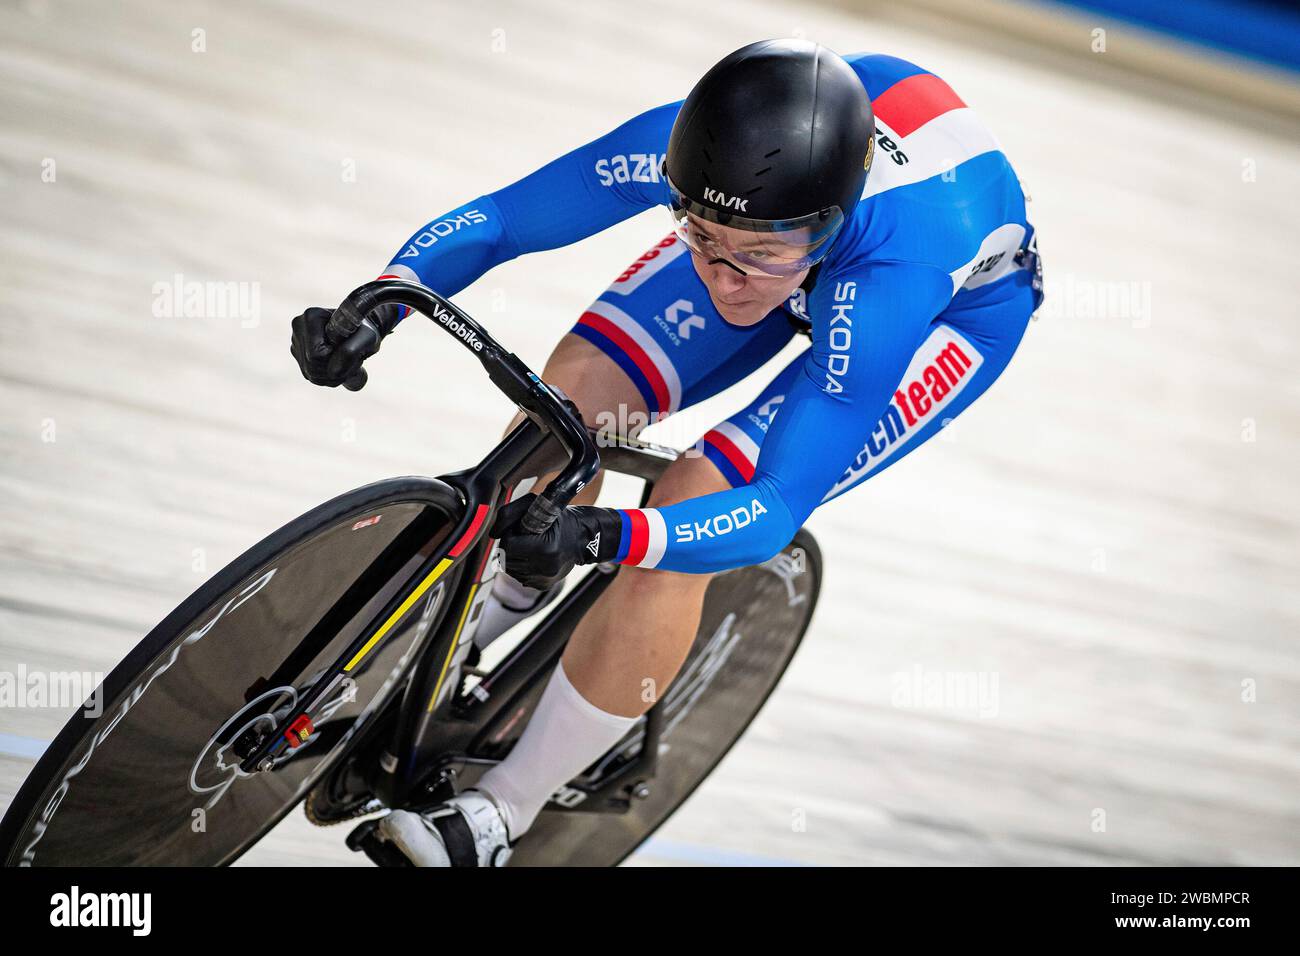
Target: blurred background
point(1107, 543)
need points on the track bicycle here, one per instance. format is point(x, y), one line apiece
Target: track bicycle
point(332, 665)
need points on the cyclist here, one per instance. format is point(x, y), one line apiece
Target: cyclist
point(856, 197)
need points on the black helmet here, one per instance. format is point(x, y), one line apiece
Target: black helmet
point(777, 139)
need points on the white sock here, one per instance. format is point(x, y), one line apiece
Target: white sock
point(508, 604)
point(565, 736)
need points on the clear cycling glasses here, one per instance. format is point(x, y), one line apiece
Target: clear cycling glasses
point(754, 247)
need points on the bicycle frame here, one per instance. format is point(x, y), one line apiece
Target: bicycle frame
point(550, 417)
point(427, 731)
point(552, 437)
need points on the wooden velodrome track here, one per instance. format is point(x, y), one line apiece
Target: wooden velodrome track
point(1109, 539)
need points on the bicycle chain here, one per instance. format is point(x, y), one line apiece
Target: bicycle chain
point(361, 810)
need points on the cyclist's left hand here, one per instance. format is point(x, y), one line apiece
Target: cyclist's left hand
point(323, 363)
point(580, 535)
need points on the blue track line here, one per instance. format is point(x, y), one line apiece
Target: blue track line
point(1267, 31)
point(14, 746)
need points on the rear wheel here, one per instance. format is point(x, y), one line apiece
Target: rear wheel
point(753, 621)
point(150, 778)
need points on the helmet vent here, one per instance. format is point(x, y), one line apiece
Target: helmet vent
point(765, 169)
point(771, 154)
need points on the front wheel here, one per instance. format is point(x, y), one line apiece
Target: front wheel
point(152, 776)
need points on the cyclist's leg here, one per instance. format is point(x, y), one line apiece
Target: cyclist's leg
point(628, 648)
point(621, 657)
point(651, 344)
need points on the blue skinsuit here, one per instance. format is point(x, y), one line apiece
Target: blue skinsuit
point(917, 309)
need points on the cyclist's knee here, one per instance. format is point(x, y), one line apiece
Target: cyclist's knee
point(595, 383)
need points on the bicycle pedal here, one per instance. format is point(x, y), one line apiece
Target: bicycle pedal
point(360, 833)
point(365, 839)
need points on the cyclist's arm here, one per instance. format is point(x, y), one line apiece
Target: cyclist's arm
point(589, 189)
point(867, 323)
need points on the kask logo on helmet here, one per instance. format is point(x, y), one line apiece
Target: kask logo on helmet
point(722, 199)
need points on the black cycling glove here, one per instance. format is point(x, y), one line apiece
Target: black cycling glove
point(323, 362)
point(580, 535)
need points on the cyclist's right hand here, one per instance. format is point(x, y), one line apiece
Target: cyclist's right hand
point(325, 363)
